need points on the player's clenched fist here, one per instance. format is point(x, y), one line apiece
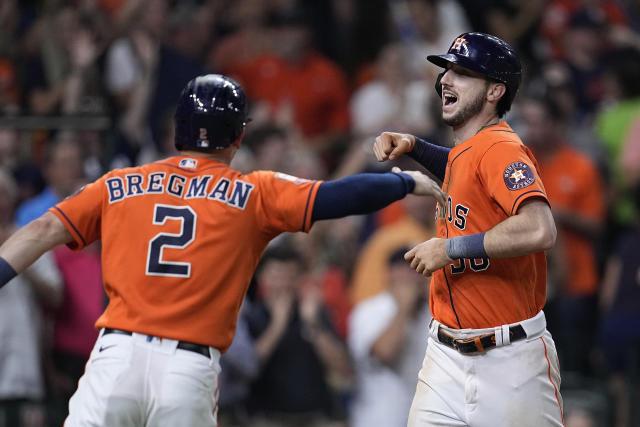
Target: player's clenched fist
point(428, 256)
point(391, 145)
point(425, 186)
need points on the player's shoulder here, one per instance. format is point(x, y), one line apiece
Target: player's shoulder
point(502, 141)
point(124, 171)
point(498, 140)
point(500, 134)
point(143, 168)
point(274, 177)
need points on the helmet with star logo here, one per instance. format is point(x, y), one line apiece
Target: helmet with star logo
point(487, 55)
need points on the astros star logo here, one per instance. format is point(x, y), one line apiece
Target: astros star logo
point(459, 43)
point(518, 175)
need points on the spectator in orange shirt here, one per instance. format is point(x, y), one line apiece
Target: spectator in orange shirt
point(575, 192)
point(301, 88)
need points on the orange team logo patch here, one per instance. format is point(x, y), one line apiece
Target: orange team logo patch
point(460, 44)
point(518, 175)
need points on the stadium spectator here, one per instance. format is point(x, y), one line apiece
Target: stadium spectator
point(245, 39)
point(64, 77)
point(614, 123)
point(370, 274)
point(9, 89)
point(576, 194)
point(22, 326)
point(393, 100)
point(73, 330)
point(296, 345)
point(558, 15)
point(386, 340)
point(304, 90)
point(145, 73)
point(63, 172)
point(426, 26)
point(619, 327)
point(9, 150)
point(239, 367)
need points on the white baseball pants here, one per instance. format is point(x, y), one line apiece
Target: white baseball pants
point(512, 385)
point(137, 380)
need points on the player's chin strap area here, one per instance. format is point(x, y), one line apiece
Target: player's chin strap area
point(469, 341)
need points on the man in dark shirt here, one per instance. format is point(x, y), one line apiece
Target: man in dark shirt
point(296, 344)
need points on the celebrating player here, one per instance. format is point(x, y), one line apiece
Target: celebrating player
point(181, 238)
point(490, 360)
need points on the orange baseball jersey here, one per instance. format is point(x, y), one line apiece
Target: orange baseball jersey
point(181, 239)
point(573, 183)
point(487, 178)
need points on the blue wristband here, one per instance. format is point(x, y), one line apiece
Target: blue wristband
point(6, 272)
point(471, 246)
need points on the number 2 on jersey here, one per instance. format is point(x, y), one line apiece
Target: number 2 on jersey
point(156, 265)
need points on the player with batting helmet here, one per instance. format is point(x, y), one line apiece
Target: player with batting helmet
point(490, 360)
point(181, 238)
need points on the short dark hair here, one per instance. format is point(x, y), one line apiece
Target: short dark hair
point(283, 252)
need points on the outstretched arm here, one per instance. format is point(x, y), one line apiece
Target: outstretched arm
point(391, 145)
point(28, 243)
point(531, 230)
point(367, 192)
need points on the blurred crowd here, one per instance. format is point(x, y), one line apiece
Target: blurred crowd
point(333, 330)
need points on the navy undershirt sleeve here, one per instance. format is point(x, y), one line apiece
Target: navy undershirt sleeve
point(360, 194)
point(433, 157)
point(6, 272)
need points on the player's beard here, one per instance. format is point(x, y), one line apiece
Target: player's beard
point(466, 112)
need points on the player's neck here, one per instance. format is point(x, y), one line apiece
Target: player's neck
point(474, 125)
point(223, 156)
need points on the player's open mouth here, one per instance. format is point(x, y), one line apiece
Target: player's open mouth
point(449, 99)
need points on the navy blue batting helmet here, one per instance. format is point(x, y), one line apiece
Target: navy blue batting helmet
point(211, 114)
point(487, 55)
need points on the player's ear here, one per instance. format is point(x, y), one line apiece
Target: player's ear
point(238, 142)
point(496, 91)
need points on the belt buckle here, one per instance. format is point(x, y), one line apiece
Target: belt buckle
point(455, 345)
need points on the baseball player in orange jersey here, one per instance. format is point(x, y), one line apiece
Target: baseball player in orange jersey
point(180, 240)
point(490, 361)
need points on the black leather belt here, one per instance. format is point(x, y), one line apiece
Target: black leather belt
point(183, 345)
point(478, 343)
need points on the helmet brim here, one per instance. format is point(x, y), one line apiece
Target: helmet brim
point(441, 60)
point(449, 58)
